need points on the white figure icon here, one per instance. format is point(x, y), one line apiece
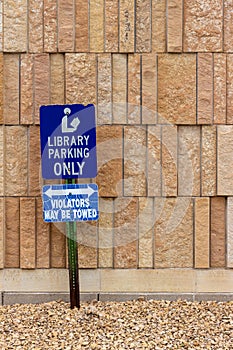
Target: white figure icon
point(73, 125)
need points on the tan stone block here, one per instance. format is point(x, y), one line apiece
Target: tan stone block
point(81, 26)
point(111, 26)
point(2, 231)
point(143, 26)
point(173, 232)
point(2, 159)
point(42, 238)
point(15, 169)
point(229, 235)
point(57, 79)
point(104, 110)
point(109, 155)
point(205, 88)
point(134, 89)
point(149, 89)
point(35, 26)
point(146, 232)
point(214, 280)
point(12, 240)
point(229, 106)
point(224, 160)
point(15, 25)
point(97, 26)
point(126, 25)
point(1, 25)
point(41, 81)
point(177, 89)
point(220, 86)
point(208, 161)
point(80, 78)
point(105, 233)
point(11, 89)
point(34, 181)
point(174, 25)
point(27, 233)
point(205, 34)
point(158, 25)
point(218, 232)
point(154, 180)
point(119, 88)
point(26, 89)
point(50, 26)
point(66, 29)
point(125, 232)
point(87, 244)
point(1, 87)
point(135, 161)
point(202, 233)
point(189, 174)
point(228, 28)
point(169, 161)
point(57, 246)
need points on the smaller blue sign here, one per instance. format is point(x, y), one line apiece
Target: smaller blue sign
point(70, 202)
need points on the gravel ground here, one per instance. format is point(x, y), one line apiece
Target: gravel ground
point(138, 324)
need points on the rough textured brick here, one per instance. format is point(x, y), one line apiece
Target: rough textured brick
point(57, 79)
point(15, 25)
point(87, 247)
point(229, 236)
point(202, 233)
point(42, 238)
point(126, 42)
point(220, 88)
point(111, 26)
point(97, 26)
point(11, 89)
point(143, 25)
point(42, 88)
point(174, 25)
point(218, 232)
point(146, 225)
point(177, 89)
point(12, 232)
point(34, 180)
point(134, 89)
point(119, 88)
point(80, 78)
point(159, 26)
point(82, 26)
point(205, 88)
point(58, 246)
point(1, 25)
point(26, 89)
point(109, 148)
point(50, 26)
point(104, 115)
point(125, 232)
point(15, 169)
point(66, 28)
point(154, 179)
point(203, 25)
point(27, 233)
point(228, 27)
point(208, 161)
point(189, 161)
point(2, 159)
point(105, 232)
point(169, 160)
point(134, 161)
point(225, 160)
point(149, 89)
point(229, 89)
point(35, 26)
point(173, 232)
point(2, 239)
point(1, 87)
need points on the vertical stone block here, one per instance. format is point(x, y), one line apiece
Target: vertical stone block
point(15, 26)
point(159, 26)
point(202, 233)
point(42, 238)
point(26, 89)
point(154, 152)
point(126, 233)
point(146, 225)
point(105, 233)
point(1, 87)
point(97, 26)
point(134, 89)
point(209, 161)
point(111, 25)
point(229, 89)
point(189, 175)
point(87, 244)
point(11, 89)
point(2, 238)
point(66, 26)
point(58, 246)
point(127, 30)
point(143, 25)
point(50, 26)
point(16, 153)
point(12, 232)
point(205, 88)
point(81, 26)
point(35, 26)
point(205, 34)
point(149, 89)
point(27, 233)
point(119, 88)
point(1, 25)
point(80, 78)
point(218, 232)
point(174, 25)
point(41, 83)
point(135, 161)
point(224, 160)
point(229, 237)
point(173, 232)
point(169, 161)
point(2, 159)
point(220, 87)
point(104, 111)
point(177, 89)
point(228, 27)
point(57, 79)
point(34, 185)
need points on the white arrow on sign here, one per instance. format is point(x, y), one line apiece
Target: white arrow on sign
point(66, 192)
